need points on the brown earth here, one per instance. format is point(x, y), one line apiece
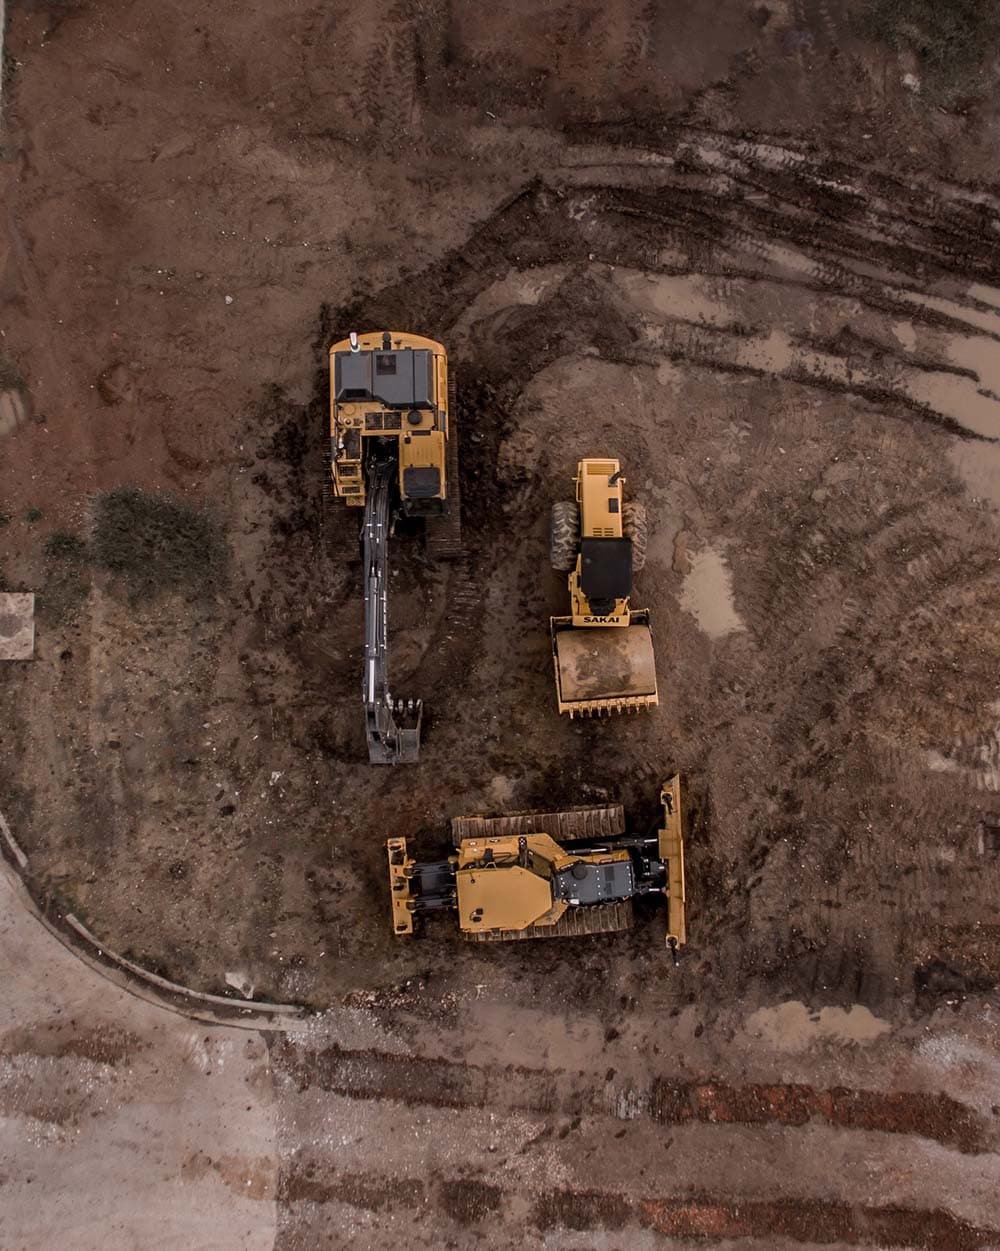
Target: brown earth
point(727, 245)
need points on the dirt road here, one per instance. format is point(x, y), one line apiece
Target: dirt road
point(460, 1119)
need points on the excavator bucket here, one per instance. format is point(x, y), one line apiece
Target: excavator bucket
point(604, 669)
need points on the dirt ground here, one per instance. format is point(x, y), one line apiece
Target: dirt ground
point(725, 242)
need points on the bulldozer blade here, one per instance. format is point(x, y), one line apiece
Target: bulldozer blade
point(604, 669)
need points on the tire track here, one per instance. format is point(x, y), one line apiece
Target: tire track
point(710, 1218)
point(420, 1081)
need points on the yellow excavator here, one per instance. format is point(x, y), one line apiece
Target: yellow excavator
point(602, 651)
point(546, 874)
point(393, 452)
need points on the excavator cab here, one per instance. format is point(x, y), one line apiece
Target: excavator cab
point(393, 451)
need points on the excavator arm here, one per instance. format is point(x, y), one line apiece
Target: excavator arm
point(392, 726)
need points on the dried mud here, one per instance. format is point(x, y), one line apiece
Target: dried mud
point(728, 248)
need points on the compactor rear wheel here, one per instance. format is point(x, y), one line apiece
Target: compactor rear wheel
point(635, 527)
point(564, 535)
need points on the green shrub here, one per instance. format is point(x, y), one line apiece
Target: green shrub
point(954, 39)
point(10, 375)
point(64, 545)
point(157, 543)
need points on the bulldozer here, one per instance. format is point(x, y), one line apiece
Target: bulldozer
point(602, 651)
point(394, 453)
point(545, 874)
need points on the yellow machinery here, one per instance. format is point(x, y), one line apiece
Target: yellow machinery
point(603, 651)
point(394, 452)
point(546, 874)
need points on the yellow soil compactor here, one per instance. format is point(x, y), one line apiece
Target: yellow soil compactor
point(393, 452)
point(603, 651)
point(545, 874)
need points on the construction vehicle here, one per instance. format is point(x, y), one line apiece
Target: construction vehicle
point(602, 651)
point(545, 874)
point(393, 452)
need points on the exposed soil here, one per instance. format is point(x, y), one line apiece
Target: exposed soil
point(728, 246)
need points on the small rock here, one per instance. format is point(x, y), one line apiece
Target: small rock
point(229, 299)
point(239, 980)
point(518, 457)
point(911, 82)
point(115, 385)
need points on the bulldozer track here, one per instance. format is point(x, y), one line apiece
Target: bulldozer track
point(574, 923)
point(571, 823)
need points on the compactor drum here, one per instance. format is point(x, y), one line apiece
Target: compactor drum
point(393, 452)
point(602, 651)
point(545, 874)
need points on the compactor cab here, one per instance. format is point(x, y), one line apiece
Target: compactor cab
point(546, 874)
point(393, 450)
point(602, 651)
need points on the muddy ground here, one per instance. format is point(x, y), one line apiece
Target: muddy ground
point(726, 243)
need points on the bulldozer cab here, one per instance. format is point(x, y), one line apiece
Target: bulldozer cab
point(509, 880)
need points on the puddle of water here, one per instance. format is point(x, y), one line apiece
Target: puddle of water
point(978, 464)
point(979, 354)
point(707, 594)
point(792, 1026)
point(517, 288)
point(984, 294)
point(905, 335)
point(938, 763)
point(682, 296)
point(990, 322)
point(501, 792)
point(774, 354)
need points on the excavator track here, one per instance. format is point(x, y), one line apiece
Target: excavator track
point(444, 534)
point(598, 822)
point(574, 923)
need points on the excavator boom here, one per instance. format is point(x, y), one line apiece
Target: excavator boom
point(392, 726)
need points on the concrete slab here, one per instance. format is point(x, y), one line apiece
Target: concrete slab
point(12, 411)
point(17, 626)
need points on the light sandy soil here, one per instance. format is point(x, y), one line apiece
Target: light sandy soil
point(727, 246)
point(451, 1120)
